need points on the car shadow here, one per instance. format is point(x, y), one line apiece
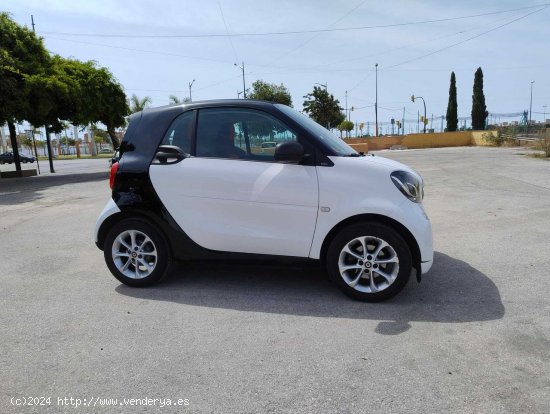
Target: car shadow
point(21, 190)
point(452, 292)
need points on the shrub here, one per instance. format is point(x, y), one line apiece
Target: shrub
point(501, 136)
point(493, 138)
point(544, 143)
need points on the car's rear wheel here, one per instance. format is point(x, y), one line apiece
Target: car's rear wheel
point(136, 253)
point(369, 261)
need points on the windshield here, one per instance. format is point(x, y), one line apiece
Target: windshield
point(336, 144)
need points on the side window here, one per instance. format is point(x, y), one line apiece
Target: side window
point(240, 134)
point(180, 132)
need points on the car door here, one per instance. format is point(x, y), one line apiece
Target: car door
point(232, 195)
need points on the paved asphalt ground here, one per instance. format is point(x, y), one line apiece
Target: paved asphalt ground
point(473, 337)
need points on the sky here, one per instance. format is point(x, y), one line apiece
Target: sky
point(157, 48)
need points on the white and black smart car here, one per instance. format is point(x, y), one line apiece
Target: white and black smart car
point(196, 181)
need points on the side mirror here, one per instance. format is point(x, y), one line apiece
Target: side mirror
point(289, 151)
point(169, 154)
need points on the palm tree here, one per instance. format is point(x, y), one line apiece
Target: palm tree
point(174, 100)
point(137, 104)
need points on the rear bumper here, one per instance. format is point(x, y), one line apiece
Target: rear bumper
point(110, 209)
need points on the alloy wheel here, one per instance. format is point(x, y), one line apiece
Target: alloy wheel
point(368, 264)
point(134, 254)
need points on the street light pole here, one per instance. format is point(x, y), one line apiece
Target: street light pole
point(376, 102)
point(416, 97)
point(30, 134)
point(544, 120)
point(346, 105)
point(324, 86)
point(531, 104)
point(190, 85)
point(244, 83)
point(403, 126)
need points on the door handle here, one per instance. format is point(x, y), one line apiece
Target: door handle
point(169, 154)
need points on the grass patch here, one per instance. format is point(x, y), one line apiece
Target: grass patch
point(74, 157)
point(540, 155)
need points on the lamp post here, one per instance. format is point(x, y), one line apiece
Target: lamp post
point(530, 105)
point(346, 113)
point(324, 86)
point(544, 119)
point(376, 102)
point(416, 97)
point(244, 83)
point(30, 134)
point(190, 85)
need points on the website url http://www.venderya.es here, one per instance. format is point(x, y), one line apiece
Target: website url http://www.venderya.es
point(94, 401)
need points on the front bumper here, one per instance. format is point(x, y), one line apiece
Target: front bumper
point(421, 228)
point(426, 266)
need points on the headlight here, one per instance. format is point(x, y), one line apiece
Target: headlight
point(410, 185)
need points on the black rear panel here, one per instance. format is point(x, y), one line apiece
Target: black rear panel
point(143, 137)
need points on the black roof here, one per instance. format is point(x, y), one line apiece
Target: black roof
point(250, 103)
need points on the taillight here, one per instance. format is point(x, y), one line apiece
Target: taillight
point(114, 169)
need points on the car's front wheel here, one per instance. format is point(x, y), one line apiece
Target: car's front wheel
point(369, 261)
point(136, 253)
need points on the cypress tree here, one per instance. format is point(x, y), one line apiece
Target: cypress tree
point(479, 110)
point(452, 106)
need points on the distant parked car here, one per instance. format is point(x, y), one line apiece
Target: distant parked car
point(269, 144)
point(7, 157)
point(114, 158)
point(106, 151)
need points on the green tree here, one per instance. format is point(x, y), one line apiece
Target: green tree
point(479, 109)
point(22, 54)
point(99, 134)
point(452, 106)
point(111, 104)
point(55, 95)
point(98, 97)
point(323, 108)
point(271, 92)
point(345, 126)
point(137, 104)
point(27, 142)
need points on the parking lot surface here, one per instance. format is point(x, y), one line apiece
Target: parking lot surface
point(473, 337)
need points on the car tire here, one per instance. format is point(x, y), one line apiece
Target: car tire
point(374, 276)
point(128, 252)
